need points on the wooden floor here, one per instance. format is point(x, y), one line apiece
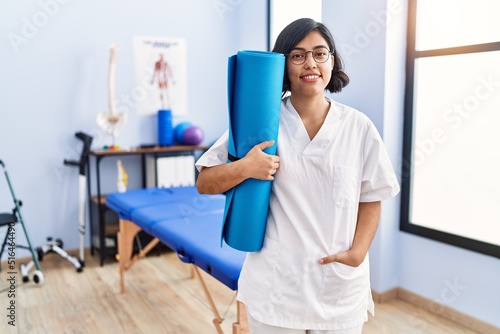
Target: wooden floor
point(160, 297)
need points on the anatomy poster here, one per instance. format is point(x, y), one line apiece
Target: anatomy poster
point(160, 67)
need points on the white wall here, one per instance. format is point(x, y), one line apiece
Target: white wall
point(54, 82)
point(372, 35)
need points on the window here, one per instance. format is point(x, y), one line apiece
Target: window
point(451, 156)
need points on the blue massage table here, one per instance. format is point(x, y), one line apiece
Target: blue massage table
point(188, 223)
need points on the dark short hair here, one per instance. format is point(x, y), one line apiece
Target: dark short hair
point(296, 31)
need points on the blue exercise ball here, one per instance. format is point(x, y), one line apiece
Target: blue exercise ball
point(179, 131)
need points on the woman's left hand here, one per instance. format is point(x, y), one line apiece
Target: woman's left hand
point(350, 258)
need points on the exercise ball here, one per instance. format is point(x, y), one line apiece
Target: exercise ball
point(193, 135)
point(179, 131)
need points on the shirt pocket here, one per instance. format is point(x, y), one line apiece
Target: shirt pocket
point(344, 187)
point(343, 285)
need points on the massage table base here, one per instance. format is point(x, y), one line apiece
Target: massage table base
point(126, 235)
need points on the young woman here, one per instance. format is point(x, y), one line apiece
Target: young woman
point(330, 173)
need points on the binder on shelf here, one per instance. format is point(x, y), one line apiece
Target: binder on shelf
point(172, 171)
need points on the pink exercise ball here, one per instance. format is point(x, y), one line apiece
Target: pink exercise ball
point(193, 135)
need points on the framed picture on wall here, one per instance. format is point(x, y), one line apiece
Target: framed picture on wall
point(161, 75)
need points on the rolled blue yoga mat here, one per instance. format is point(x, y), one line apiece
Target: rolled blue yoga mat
point(255, 81)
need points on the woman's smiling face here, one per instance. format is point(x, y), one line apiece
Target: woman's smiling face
point(309, 78)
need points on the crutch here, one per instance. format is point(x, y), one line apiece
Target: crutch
point(82, 178)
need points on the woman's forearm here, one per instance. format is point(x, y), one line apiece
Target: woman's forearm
point(221, 178)
point(366, 227)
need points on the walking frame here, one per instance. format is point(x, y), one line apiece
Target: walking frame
point(10, 220)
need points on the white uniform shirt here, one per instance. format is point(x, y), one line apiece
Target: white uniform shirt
point(312, 213)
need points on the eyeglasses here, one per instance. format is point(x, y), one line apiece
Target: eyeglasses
point(320, 55)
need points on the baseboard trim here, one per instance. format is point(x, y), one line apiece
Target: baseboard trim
point(385, 296)
point(437, 309)
point(27, 258)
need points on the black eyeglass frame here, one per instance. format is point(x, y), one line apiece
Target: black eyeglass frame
point(331, 53)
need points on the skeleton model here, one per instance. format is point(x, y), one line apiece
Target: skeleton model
point(112, 122)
